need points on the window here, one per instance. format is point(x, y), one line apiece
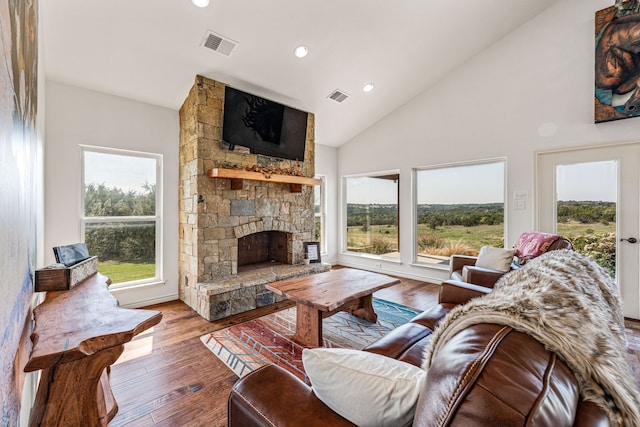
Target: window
point(372, 214)
point(319, 214)
point(121, 221)
point(459, 209)
point(586, 209)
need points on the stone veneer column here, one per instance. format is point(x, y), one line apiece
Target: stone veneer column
point(211, 215)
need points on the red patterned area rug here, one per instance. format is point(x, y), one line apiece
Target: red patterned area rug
point(271, 338)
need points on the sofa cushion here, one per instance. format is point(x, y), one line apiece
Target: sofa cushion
point(407, 341)
point(400, 340)
point(366, 388)
point(495, 258)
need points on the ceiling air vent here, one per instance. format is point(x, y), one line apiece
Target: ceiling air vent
point(338, 95)
point(219, 43)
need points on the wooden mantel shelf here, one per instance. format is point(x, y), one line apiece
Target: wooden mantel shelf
point(237, 175)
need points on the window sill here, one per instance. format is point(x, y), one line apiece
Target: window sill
point(393, 260)
point(439, 267)
point(136, 285)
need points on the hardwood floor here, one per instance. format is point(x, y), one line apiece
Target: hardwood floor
point(167, 377)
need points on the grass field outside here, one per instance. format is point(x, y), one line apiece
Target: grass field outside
point(374, 239)
point(475, 237)
point(458, 236)
point(596, 240)
point(572, 229)
point(120, 272)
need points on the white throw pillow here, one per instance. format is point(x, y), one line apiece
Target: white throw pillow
point(366, 388)
point(495, 258)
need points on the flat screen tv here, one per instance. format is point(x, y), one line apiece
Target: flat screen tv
point(260, 126)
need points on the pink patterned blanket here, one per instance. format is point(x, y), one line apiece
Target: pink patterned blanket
point(533, 244)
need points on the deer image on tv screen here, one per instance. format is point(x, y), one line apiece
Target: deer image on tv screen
point(264, 117)
point(260, 126)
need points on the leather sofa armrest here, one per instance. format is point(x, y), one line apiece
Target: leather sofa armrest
point(456, 262)
point(481, 276)
point(589, 414)
point(455, 292)
point(271, 396)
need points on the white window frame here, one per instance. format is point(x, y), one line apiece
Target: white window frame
point(322, 214)
point(157, 218)
point(343, 228)
point(414, 220)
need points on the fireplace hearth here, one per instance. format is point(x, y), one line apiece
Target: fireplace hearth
point(246, 290)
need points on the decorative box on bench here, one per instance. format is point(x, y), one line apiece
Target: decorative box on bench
point(59, 277)
point(74, 265)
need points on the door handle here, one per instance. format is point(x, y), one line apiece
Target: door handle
point(630, 240)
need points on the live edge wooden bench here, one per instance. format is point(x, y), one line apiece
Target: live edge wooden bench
point(78, 335)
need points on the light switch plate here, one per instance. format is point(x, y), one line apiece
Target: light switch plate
point(519, 205)
point(520, 194)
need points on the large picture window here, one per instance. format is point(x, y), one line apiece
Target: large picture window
point(372, 214)
point(121, 221)
point(459, 209)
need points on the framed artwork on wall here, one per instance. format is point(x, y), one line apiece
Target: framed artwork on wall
point(312, 251)
point(617, 62)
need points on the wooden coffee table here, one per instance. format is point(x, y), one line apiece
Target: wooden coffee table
point(322, 295)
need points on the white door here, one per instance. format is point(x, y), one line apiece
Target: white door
point(592, 197)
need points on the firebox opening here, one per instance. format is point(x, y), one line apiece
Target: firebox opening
point(265, 247)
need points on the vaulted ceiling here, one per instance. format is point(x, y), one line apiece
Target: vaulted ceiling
point(151, 50)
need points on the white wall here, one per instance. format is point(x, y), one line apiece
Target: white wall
point(530, 92)
point(327, 165)
point(78, 116)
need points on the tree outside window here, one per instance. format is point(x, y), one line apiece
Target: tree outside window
point(459, 209)
point(121, 221)
point(372, 214)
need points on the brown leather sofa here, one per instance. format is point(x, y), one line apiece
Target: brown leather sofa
point(489, 375)
point(463, 268)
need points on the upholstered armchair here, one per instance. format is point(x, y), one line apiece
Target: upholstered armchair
point(493, 263)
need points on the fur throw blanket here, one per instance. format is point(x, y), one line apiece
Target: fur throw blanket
point(570, 305)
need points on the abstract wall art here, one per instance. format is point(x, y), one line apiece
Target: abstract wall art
point(19, 173)
point(617, 62)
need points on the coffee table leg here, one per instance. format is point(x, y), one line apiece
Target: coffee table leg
point(363, 308)
point(309, 325)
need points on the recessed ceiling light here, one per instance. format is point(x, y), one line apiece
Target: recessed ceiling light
point(201, 3)
point(368, 87)
point(301, 51)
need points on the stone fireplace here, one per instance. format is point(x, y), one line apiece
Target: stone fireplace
point(236, 234)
